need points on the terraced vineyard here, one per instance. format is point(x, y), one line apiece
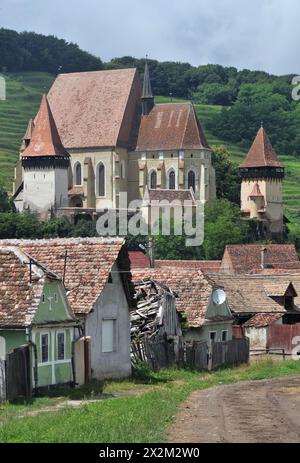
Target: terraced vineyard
point(23, 97)
point(23, 94)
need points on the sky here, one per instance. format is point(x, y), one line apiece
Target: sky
point(252, 34)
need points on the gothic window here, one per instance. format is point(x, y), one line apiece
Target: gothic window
point(77, 173)
point(153, 180)
point(191, 180)
point(100, 179)
point(172, 180)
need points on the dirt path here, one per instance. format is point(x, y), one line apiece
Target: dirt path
point(248, 411)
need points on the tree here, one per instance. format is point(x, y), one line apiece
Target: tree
point(227, 177)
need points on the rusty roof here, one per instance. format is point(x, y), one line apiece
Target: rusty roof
point(244, 258)
point(261, 153)
point(45, 140)
point(192, 287)
point(20, 297)
point(96, 109)
point(171, 126)
point(89, 262)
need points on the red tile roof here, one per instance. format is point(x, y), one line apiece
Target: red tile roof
point(256, 192)
point(76, 190)
point(169, 195)
point(20, 297)
point(260, 320)
point(96, 109)
point(138, 259)
point(191, 286)
point(203, 265)
point(244, 258)
point(89, 262)
point(171, 126)
point(261, 153)
point(45, 140)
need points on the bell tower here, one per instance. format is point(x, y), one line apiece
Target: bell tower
point(261, 186)
point(45, 162)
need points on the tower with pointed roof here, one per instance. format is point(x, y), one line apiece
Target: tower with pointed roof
point(147, 94)
point(261, 186)
point(45, 162)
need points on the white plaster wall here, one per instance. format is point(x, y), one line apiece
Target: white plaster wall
point(257, 336)
point(45, 187)
point(112, 303)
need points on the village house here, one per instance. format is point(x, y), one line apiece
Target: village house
point(99, 134)
point(258, 302)
point(97, 278)
point(201, 302)
point(34, 310)
point(254, 258)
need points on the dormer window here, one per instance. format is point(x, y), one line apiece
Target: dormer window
point(289, 303)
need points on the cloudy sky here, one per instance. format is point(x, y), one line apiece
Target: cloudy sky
point(256, 34)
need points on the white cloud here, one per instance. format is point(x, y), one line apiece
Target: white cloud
point(257, 35)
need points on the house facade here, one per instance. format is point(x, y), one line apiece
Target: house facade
point(96, 274)
point(34, 310)
point(117, 140)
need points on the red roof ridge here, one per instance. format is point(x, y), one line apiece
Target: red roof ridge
point(261, 153)
point(45, 139)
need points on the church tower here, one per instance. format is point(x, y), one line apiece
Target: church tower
point(261, 186)
point(147, 95)
point(45, 162)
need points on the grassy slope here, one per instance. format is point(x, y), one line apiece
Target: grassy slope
point(128, 418)
point(23, 96)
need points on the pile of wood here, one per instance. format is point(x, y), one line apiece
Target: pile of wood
point(148, 318)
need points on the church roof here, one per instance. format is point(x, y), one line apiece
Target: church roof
point(28, 134)
point(147, 89)
point(256, 192)
point(171, 126)
point(261, 153)
point(45, 140)
point(96, 109)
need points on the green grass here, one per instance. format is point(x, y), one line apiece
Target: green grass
point(141, 418)
point(24, 91)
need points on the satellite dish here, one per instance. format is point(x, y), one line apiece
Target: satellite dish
point(219, 296)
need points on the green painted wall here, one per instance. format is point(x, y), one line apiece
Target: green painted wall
point(202, 334)
point(61, 370)
point(54, 306)
point(13, 338)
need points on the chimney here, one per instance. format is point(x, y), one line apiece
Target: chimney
point(263, 257)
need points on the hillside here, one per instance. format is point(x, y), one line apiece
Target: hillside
point(24, 91)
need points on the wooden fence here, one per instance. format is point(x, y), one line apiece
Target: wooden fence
point(197, 355)
point(18, 377)
point(2, 381)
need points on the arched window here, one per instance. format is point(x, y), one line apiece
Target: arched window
point(191, 180)
point(153, 180)
point(2, 348)
point(100, 180)
point(77, 173)
point(172, 180)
